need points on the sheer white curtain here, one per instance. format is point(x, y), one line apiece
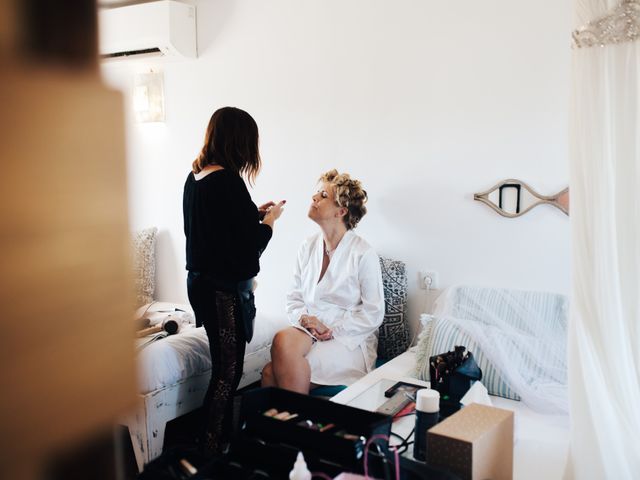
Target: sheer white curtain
point(604, 330)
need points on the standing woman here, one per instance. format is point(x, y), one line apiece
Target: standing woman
point(226, 233)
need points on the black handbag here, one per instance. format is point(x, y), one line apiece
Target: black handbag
point(247, 308)
point(246, 300)
point(453, 373)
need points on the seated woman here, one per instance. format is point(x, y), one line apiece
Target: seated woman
point(337, 302)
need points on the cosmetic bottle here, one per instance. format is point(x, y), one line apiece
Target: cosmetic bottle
point(300, 470)
point(427, 413)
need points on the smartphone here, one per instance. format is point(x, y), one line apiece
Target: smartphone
point(301, 328)
point(405, 387)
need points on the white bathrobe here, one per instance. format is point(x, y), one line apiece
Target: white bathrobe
point(349, 299)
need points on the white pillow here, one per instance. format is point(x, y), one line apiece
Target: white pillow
point(144, 264)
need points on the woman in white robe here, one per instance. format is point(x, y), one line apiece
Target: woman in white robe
point(336, 304)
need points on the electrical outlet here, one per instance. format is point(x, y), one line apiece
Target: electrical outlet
point(429, 280)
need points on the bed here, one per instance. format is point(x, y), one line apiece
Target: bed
point(173, 376)
point(174, 372)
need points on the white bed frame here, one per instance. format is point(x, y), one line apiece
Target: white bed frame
point(148, 423)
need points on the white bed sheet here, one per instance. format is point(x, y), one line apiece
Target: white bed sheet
point(176, 357)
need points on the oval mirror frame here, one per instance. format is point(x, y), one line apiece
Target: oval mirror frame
point(560, 200)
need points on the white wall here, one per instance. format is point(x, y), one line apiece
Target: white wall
point(425, 101)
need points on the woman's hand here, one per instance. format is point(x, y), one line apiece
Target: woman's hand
point(323, 337)
point(316, 327)
point(263, 209)
point(273, 213)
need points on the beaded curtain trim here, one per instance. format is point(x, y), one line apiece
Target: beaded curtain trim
point(621, 24)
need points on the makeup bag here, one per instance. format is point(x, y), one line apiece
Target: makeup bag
point(452, 373)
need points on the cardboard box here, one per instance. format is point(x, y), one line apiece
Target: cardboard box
point(475, 443)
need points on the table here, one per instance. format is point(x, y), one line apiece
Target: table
point(368, 394)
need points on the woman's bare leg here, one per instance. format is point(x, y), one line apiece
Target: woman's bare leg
point(290, 367)
point(268, 378)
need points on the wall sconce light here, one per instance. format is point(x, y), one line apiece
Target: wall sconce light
point(148, 97)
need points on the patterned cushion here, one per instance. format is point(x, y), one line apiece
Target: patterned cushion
point(144, 264)
point(393, 335)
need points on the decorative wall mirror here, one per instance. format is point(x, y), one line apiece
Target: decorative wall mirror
point(512, 198)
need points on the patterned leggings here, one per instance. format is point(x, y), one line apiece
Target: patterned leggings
point(219, 313)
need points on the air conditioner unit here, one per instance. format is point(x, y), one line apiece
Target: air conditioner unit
point(164, 28)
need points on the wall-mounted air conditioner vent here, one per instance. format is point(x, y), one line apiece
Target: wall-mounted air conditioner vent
point(163, 28)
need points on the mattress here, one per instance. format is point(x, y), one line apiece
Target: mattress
point(168, 360)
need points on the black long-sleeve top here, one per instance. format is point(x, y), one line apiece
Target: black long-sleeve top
point(224, 235)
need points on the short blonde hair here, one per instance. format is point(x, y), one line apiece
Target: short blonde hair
point(348, 194)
